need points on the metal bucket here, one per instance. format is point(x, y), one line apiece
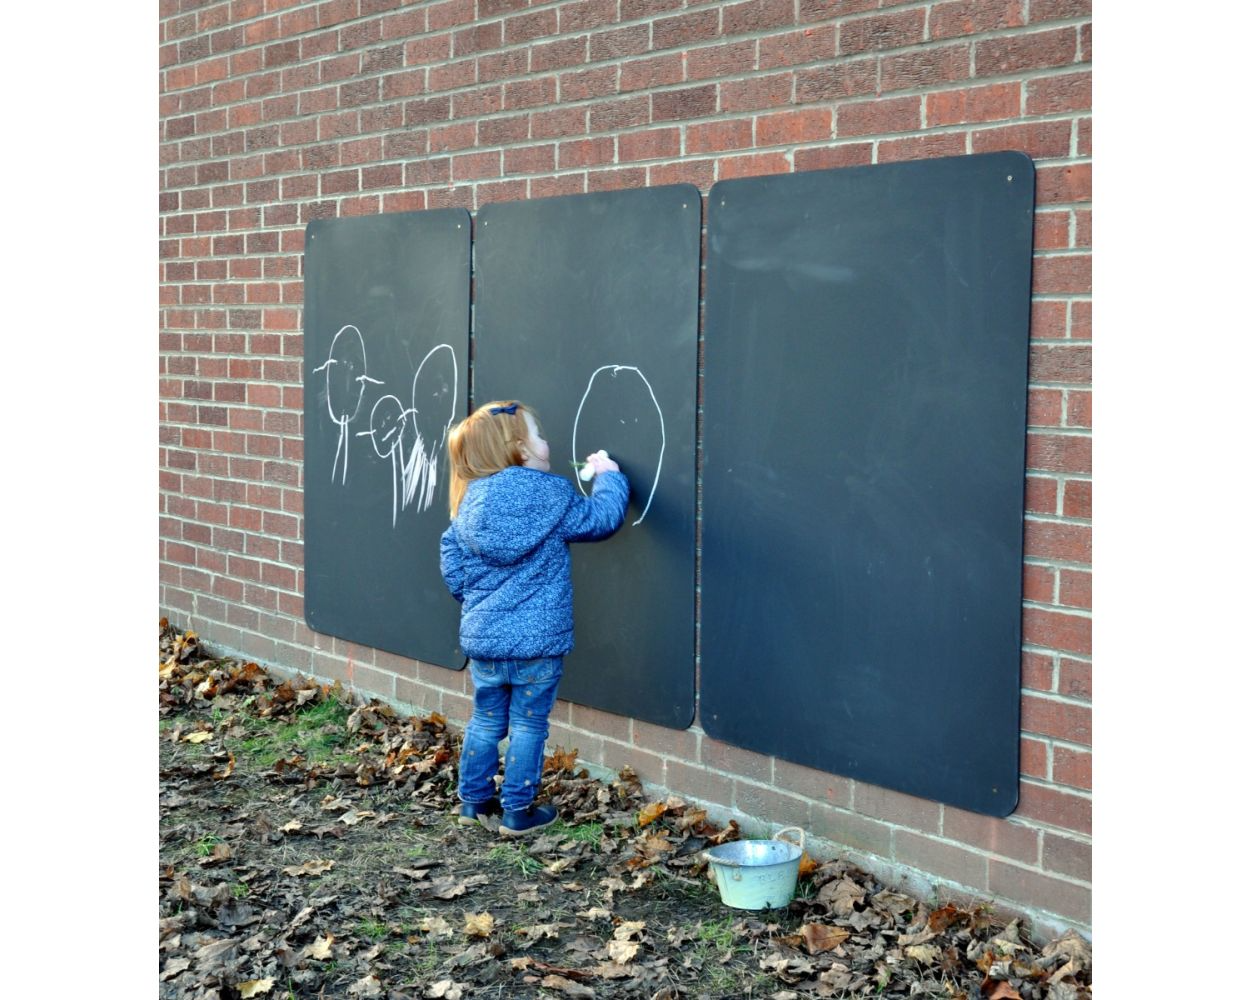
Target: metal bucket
point(757, 874)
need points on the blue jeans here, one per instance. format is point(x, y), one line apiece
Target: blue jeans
point(513, 698)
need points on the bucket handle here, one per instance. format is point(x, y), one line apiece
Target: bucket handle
point(780, 835)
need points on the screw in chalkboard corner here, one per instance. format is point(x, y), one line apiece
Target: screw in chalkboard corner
point(1009, 178)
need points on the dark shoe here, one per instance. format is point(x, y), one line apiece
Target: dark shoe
point(518, 824)
point(472, 813)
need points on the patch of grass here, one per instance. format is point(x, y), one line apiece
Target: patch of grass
point(372, 929)
point(717, 933)
point(204, 846)
point(318, 733)
point(585, 833)
point(515, 857)
point(240, 889)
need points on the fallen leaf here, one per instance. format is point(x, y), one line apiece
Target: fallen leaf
point(561, 760)
point(1001, 991)
point(622, 951)
point(369, 986)
point(174, 967)
point(320, 949)
point(314, 867)
point(567, 986)
point(292, 826)
point(199, 737)
point(596, 913)
point(352, 817)
point(478, 924)
point(226, 771)
point(807, 865)
point(254, 987)
point(925, 954)
point(436, 926)
point(649, 814)
point(822, 937)
point(445, 989)
point(841, 896)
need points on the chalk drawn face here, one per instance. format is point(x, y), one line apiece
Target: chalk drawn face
point(386, 425)
point(345, 388)
point(619, 413)
point(537, 454)
point(434, 395)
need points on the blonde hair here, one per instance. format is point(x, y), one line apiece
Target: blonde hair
point(485, 442)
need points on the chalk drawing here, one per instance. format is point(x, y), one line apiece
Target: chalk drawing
point(414, 469)
point(346, 375)
point(614, 369)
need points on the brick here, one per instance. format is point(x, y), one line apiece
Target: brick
point(945, 860)
point(586, 152)
point(757, 93)
point(900, 114)
point(1036, 889)
point(1070, 274)
point(1076, 589)
point(1039, 584)
point(723, 756)
point(690, 102)
point(1051, 230)
point(582, 14)
point(647, 766)
point(616, 180)
point(1057, 10)
point(810, 45)
point(1057, 540)
point(771, 806)
point(1067, 856)
point(973, 104)
point(881, 32)
point(1037, 671)
point(1073, 767)
point(682, 30)
point(530, 160)
point(1040, 140)
point(847, 154)
point(653, 144)
point(528, 27)
point(620, 43)
point(718, 136)
point(1058, 452)
point(700, 173)
point(1045, 407)
point(1034, 759)
point(755, 165)
point(720, 60)
point(830, 789)
point(849, 830)
point(1059, 94)
point(1057, 630)
point(896, 807)
point(972, 17)
point(925, 68)
point(787, 127)
point(644, 74)
point(587, 84)
point(1055, 807)
point(1077, 498)
point(697, 782)
point(559, 54)
point(530, 93)
point(1033, 50)
point(1059, 719)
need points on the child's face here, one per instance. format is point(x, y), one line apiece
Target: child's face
point(536, 452)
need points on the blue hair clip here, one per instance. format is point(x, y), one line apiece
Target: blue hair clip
point(496, 410)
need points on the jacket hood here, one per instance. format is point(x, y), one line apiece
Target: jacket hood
point(505, 516)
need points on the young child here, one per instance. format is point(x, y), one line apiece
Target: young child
point(506, 559)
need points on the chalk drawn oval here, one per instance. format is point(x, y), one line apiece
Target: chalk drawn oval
point(434, 394)
point(386, 425)
point(345, 375)
point(621, 395)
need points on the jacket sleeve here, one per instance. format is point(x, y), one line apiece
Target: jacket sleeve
point(592, 518)
point(451, 562)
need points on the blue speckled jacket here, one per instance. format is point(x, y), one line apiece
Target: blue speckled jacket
point(505, 557)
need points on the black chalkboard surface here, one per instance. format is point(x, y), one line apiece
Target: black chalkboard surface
point(386, 331)
point(865, 391)
point(586, 308)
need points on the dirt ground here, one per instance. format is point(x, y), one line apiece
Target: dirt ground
point(308, 848)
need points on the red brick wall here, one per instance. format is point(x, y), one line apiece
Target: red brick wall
point(275, 112)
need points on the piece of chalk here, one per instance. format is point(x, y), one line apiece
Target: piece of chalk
point(587, 471)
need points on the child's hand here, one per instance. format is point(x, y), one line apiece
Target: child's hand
point(597, 463)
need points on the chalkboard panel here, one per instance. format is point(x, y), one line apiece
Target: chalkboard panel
point(386, 331)
point(586, 308)
point(865, 387)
